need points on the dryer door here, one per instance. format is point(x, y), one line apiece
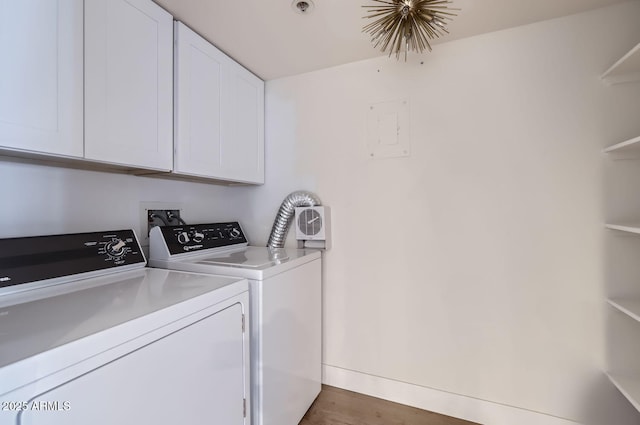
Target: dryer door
point(193, 376)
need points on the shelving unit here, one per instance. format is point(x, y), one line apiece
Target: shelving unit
point(629, 387)
point(624, 227)
point(629, 149)
point(624, 321)
point(630, 307)
point(625, 70)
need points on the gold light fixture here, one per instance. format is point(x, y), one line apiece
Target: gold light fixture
point(407, 24)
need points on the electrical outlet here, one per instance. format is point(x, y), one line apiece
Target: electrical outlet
point(157, 214)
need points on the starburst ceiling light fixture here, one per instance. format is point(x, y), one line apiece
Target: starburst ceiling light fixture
point(407, 24)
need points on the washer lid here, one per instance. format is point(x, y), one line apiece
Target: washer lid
point(251, 257)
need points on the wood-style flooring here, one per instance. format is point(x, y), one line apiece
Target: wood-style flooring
point(335, 406)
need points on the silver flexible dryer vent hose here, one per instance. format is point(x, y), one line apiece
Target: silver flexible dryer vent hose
point(285, 214)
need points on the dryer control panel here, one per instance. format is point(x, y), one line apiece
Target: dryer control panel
point(196, 237)
point(35, 258)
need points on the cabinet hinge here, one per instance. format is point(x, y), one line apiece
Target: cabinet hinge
point(244, 407)
point(243, 323)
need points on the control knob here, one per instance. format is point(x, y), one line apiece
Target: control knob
point(183, 238)
point(197, 237)
point(234, 232)
point(116, 247)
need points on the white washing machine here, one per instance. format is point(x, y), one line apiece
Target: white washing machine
point(285, 304)
point(90, 335)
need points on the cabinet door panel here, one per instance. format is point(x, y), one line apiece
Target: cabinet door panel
point(242, 153)
point(193, 376)
point(198, 71)
point(41, 76)
point(129, 83)
point(219, 113)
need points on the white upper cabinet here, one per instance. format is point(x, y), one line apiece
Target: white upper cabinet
point(219, 113)
point(94, 79)
point(41, 76)
point(243, 125)
point(129, 83)
point(198, 81)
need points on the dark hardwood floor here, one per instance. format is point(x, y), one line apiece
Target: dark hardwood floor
point(335, 406)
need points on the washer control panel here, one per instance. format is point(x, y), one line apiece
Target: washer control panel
point(30, 259)
point(196, 237)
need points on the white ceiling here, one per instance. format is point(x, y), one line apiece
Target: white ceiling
point(273, 41)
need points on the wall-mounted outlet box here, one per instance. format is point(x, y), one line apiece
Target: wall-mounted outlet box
point(163, 218)
point(157, 214)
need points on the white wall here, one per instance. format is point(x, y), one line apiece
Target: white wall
point(475, 265)
point(38, 200)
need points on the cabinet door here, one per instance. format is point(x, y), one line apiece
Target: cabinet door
point(129, 83)
point(219, 113)
point(198, 74)
point(242, 148)
point(41, 76)
point(193, 376)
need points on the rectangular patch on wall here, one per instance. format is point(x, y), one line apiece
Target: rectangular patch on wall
point(388, 133)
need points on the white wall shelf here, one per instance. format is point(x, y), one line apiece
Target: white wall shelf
point(629, 387)
point(625, 70)
point(625, 150)
point(630, 307)
point(624, 227)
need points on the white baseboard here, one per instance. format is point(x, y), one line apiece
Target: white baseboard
point(455, 405)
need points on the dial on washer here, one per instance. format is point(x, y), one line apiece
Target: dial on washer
point(116, 247)
point(183, 238)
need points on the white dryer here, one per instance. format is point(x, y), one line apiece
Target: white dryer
point(91, 335)
point(285, 305)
